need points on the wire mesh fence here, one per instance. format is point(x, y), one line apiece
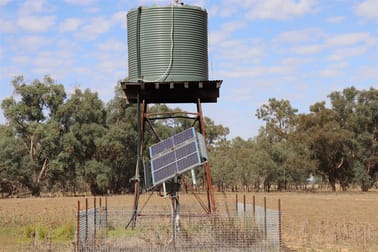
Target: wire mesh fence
point(267, 220)
point(159, 229)
point(91, 225)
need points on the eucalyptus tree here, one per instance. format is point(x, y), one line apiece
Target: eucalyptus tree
point(278, 116)
point(357, 112)
point(280, 119)
point(215, 133)
point(329, 143)
point(13, 159)
point(365, 151)
point(223, 167)
point(83, 122)
point(31, 113)
point(118, 147)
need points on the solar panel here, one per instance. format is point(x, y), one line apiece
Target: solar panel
point(163, 160)
point(177, 154)
point(164, 174)
point(186, 150)
point(188, 162)
point(161, 147)
point(184, 136)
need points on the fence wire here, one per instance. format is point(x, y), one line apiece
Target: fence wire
point(157, 230)
point(91, 227)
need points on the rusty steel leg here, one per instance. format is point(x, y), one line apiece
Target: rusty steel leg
point(140, 126)
point(208, 179)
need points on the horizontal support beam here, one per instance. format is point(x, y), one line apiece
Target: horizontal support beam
point(173, 92)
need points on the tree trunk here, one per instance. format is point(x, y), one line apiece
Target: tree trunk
point(364, 187)
point(332, 183)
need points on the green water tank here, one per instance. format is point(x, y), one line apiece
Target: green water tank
point(167, 44)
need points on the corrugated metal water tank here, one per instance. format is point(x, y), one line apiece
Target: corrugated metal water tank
point(167, 44)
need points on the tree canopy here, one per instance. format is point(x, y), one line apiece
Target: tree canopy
point(54, 142)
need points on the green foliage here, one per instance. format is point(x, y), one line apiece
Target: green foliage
point(73, 143)
point(37, 231)
point(64, 232)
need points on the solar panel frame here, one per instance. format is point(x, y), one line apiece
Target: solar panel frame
point(148, 176)
point(176, 155)
point(202, 146)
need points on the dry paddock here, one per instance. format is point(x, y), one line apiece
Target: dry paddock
point(342, 221)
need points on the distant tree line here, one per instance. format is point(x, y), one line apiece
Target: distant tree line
point(54, 142)
point(336, 145)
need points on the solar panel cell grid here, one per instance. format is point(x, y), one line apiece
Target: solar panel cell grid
point(164, 173)
point(188, 162)
point(183, 136)
point(163, 160)
point(186, 150)
point(176, 155)
point(161, 147)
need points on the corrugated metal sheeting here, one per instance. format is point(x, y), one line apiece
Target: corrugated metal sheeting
point(167, 44)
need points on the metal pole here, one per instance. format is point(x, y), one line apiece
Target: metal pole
point(106, 215)
point(244, 203)
point(254, 205)
point(265, 221)
point(94, 218)
point(236, 202)
point(78, 227)
point(279, 224)
point(173, 202)
point(209, 182)
point(137, 174)
point(86, 218)
point(100, 212)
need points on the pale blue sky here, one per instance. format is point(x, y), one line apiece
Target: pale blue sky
point(300, 50)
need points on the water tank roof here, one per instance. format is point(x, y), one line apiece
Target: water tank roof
point(168, 6)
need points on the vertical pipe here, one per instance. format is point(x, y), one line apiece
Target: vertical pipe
point(94, 218)
point(236, 202)
point(106, 215)
point(244, 204)
point(265, 221)
point(86, 218)
point(279, 224)
point(78, 227)
point(138, 163)
point(254, 205)
point(100, 212)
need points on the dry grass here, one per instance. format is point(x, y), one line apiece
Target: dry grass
point(327, 221)
point(311, 221)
